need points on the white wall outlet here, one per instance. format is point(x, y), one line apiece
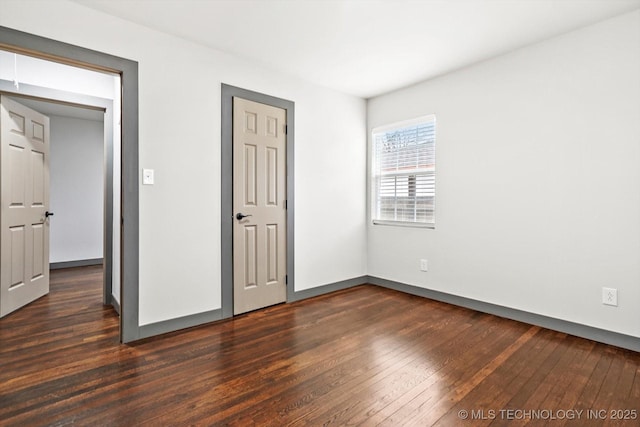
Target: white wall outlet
point(424, 265)
point(610, 296)
point(147, 177)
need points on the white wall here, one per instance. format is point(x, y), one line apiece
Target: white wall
point(179, 93)
point(77, 189)
point(538, 179)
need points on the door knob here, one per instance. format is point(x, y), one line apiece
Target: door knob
point(47, 214)
point(240, 216)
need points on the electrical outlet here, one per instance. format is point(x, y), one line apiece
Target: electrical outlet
point(424, 265)
point(610, 296)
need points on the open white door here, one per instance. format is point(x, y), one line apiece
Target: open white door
point(24, 204)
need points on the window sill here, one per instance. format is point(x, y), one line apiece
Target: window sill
point(404, 224)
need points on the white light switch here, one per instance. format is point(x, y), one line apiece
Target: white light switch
point(147, 176)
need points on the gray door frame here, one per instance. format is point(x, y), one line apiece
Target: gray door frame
point(40, 47)
point(228, 92)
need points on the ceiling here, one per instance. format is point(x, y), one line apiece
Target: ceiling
point(364, 47)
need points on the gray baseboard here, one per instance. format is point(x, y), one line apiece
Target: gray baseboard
point(78, 263)
point(172, 325)
point(571, 328)
point(325, 289)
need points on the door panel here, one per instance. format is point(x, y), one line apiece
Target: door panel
point(24, 192)
point(250, 257)
point(15, 171)
point(16, 252)
point(272, 176)
point(272, 253)
point(259, 179)
point(38, 250)
point(37, 165)
point(250, 175)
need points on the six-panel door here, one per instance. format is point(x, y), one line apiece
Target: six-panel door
point(259, 196)
point(24, 191)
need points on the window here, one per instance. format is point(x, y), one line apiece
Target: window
point(404, 173)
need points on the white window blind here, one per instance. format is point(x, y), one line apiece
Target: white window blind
point(404, 172)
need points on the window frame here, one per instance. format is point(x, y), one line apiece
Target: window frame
point(374, 176)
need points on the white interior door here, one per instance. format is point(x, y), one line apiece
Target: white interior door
point(259, 202)
point(24, 200)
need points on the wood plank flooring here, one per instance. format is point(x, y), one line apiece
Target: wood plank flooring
point(365, 356)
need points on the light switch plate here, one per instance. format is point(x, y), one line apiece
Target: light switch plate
point(147, 176)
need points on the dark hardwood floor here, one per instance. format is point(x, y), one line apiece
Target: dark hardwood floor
point(365, 356)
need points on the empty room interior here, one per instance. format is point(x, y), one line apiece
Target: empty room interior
point(340, 212)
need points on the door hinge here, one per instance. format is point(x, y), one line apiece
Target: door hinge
point(286, 279)
point(286, 129)
point(286, 204)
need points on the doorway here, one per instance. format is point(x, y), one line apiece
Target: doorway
point(71, 109)
point(128, 216)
